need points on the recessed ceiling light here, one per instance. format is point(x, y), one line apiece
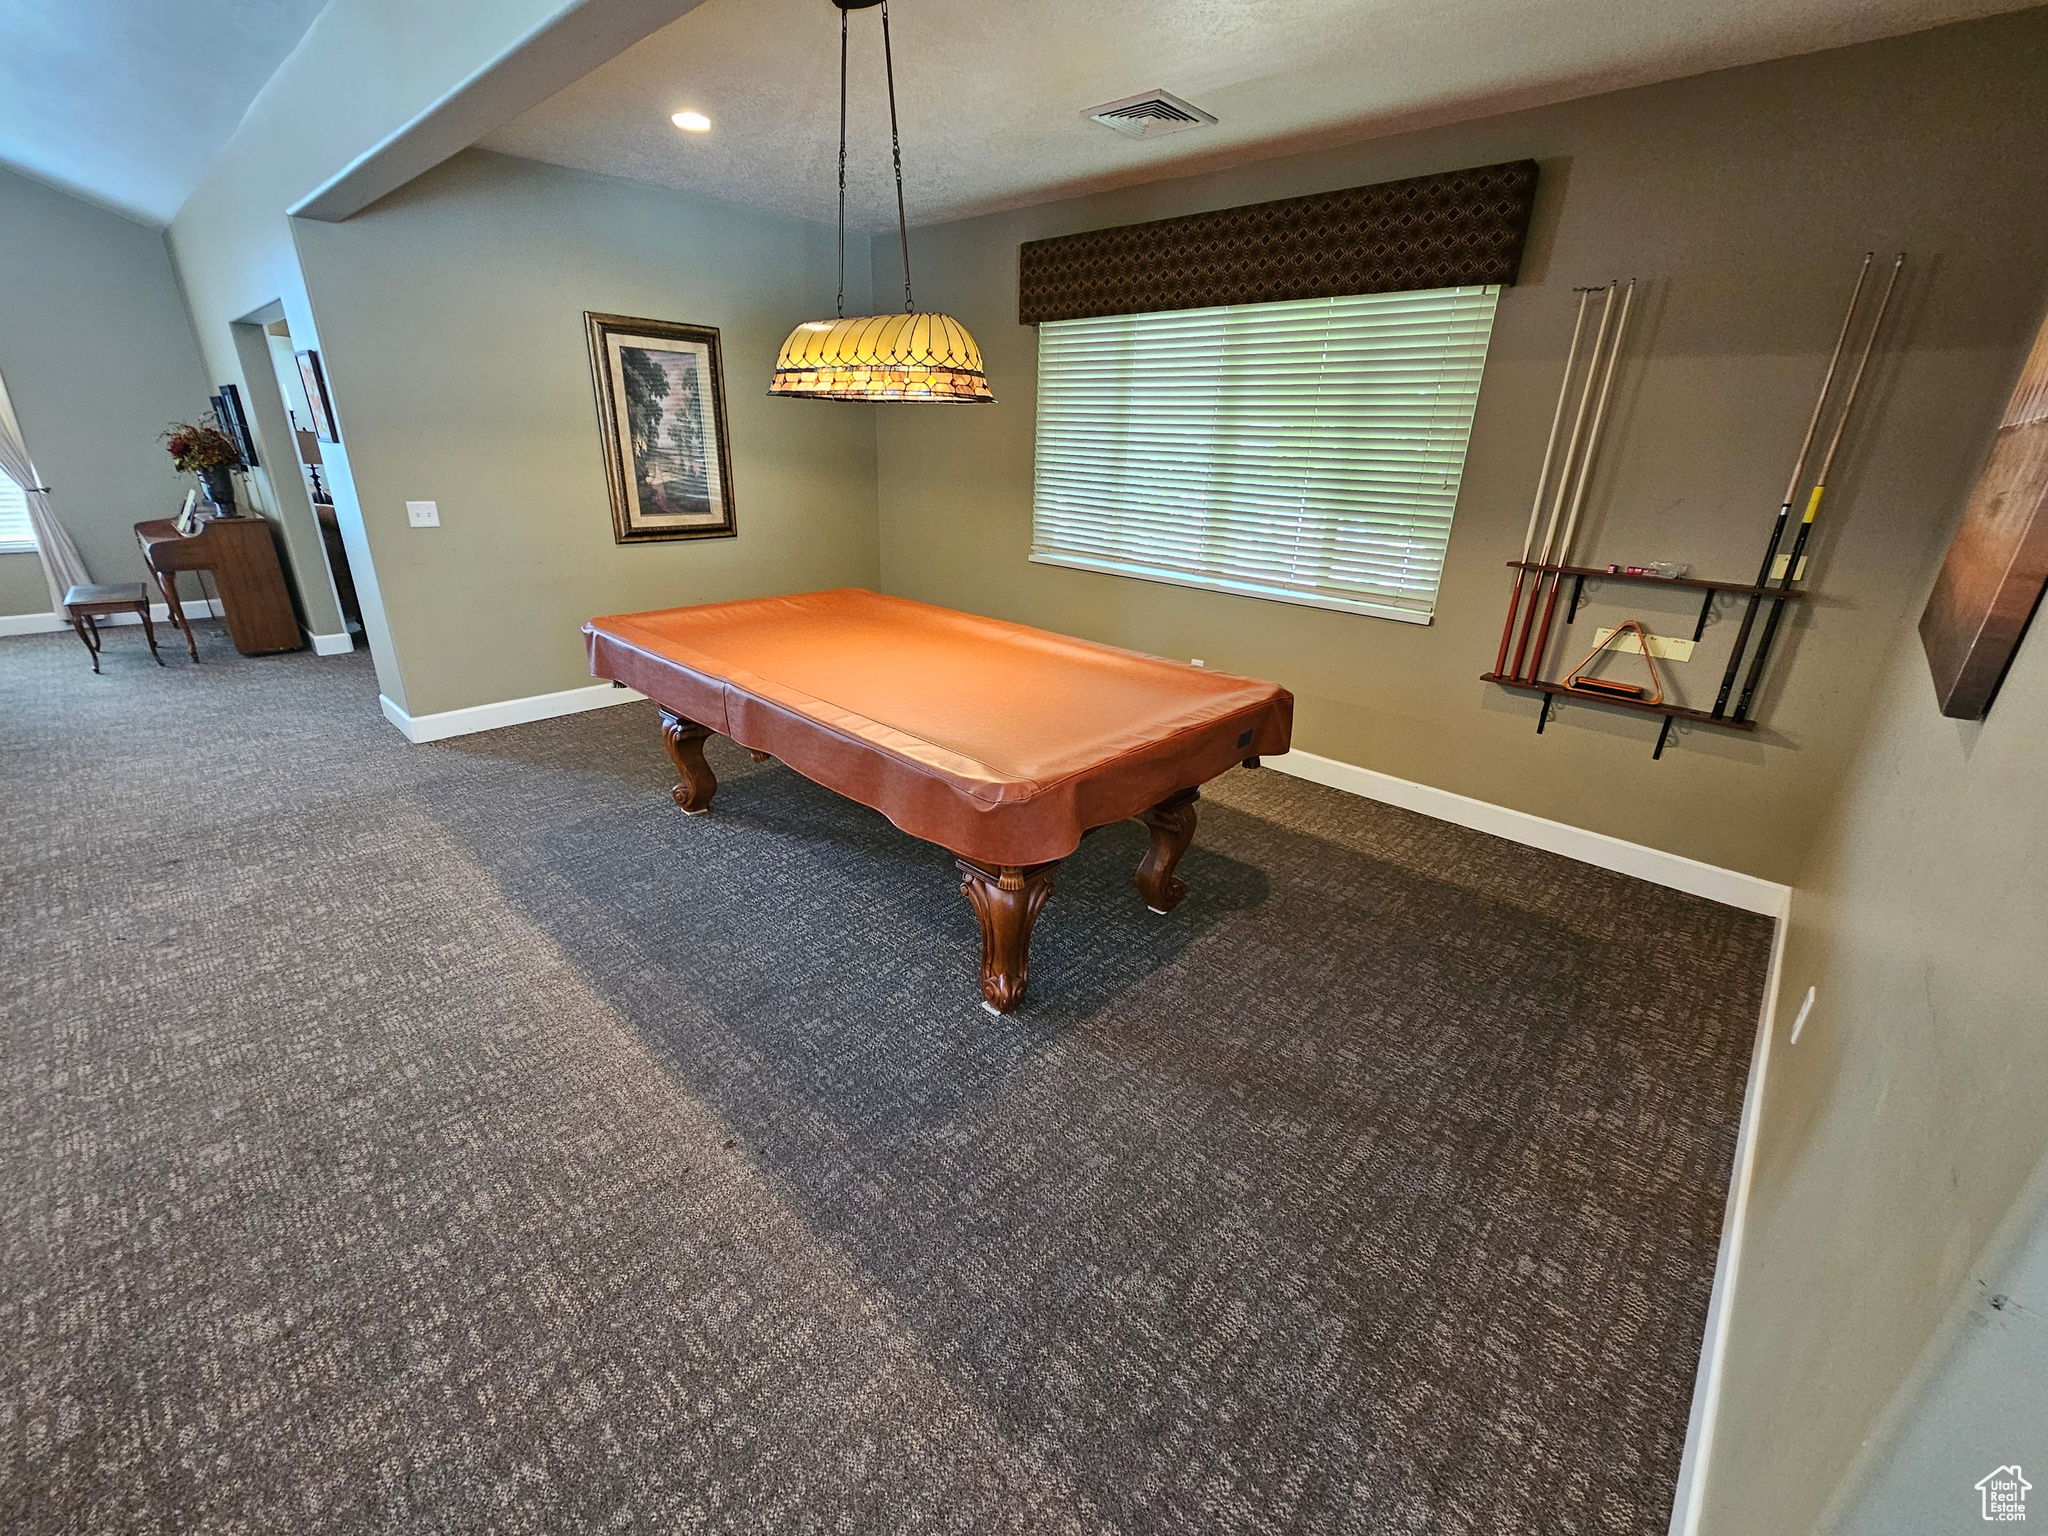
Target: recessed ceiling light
point(692, 122)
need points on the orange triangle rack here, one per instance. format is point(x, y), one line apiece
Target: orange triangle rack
point(1604, 687)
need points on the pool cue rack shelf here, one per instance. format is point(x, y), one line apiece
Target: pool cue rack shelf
point(1581, 574)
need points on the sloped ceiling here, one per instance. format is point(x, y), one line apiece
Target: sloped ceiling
point(127, 102)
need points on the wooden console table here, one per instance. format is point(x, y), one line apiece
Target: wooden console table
point(242, 555)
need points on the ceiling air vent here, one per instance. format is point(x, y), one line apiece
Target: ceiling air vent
point(1148, 115)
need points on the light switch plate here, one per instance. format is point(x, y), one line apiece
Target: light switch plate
point(423, 514)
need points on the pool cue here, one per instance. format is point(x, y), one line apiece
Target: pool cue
point(1564, 389)
point(1585, 474)
point(1564, 479)
point(1763, 578)
point(1820, 485)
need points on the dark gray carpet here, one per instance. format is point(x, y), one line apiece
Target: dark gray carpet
point(457, 1137)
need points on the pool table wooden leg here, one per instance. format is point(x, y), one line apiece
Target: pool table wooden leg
point(1172, 825)
point(685, 742)
point(1007, 899)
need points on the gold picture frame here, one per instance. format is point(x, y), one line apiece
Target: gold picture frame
point(660, 389)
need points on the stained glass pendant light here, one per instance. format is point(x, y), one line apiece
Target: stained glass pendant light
point(914, 356)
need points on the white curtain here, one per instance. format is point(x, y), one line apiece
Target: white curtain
point(62, 567)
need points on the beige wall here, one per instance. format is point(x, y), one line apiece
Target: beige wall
point(454, 310)
point(22, 588)
point(1976, 1399)
point(1742, 199)
point(364, 69)
point(1901, 1128)
point(99, 359)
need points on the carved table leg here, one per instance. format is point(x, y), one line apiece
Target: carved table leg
point(149, 630)
point(1172, 825)
point(685, 742)
point(90, 636)
point(167, 583)
point(1008, 900)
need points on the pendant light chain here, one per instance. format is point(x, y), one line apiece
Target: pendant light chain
point(842, 166)
point(896, 147)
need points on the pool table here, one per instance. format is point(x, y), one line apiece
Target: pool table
point(1000, 743)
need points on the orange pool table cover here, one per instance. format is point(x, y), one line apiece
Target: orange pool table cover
point(998, 741)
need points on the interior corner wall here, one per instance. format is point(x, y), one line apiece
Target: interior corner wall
point(1743, 200)
point(99, 358)
point(453, 311)
point(1897, 1134)
point(1977, 1398)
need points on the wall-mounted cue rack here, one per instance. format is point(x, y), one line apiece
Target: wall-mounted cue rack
point(1520, 666)
point(1672, 713)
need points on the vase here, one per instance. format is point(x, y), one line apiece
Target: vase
point(220, 487)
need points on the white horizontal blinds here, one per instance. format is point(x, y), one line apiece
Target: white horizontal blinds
point(1308, 451)
point(15, 531)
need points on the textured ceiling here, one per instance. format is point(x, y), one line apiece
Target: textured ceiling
point(991, 90)
point(127, 102)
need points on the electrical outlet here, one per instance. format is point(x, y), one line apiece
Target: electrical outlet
point(423, 514)
point(1662, 647)
point(1804, 1009)
point(1196, 661)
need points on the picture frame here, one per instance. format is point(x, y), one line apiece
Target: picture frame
point(660, 388)
point(315, 380)
point(234, 421)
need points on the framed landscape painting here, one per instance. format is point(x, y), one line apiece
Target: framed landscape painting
point(315, 379)
point(661, 414)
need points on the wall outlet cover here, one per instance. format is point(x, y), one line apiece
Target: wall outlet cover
point(1805, 1008)
point(423, 514)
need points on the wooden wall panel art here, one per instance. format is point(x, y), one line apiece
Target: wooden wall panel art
point(1991, 580)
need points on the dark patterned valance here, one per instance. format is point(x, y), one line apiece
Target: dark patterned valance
point(1452, 230)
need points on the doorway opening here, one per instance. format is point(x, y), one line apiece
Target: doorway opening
point(307, 424)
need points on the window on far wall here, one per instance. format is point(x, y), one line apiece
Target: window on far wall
point(1307, 451)
point(15, 532)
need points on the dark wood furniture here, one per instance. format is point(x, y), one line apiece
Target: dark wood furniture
point(89, 604)
point(1002, 744)
point(242, 555)
point(337, 563)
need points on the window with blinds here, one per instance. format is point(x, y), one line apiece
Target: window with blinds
point(15, 532)
point(1307, 452)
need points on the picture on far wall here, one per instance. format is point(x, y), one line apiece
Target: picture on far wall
point(661, 419)
point(316, 396)
point(227, 409)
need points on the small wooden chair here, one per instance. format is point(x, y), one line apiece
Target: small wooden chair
point(89, 604)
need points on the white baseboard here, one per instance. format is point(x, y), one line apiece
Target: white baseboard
point(1673, 871)
point(48, 623)
point(1706, 1386)
point(491, 717)
point(330, 645)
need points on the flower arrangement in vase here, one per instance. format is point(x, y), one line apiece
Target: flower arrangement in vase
point(204, 450)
